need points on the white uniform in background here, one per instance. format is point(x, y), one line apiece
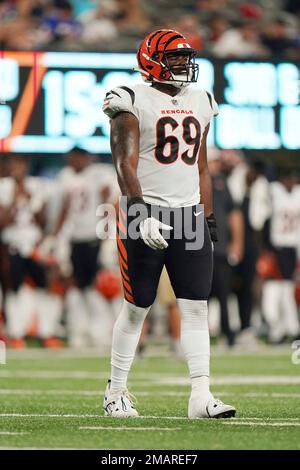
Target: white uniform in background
point(21, 237)
point(24, 234)
point(285, 216)
point(84, 190)
point(88, 321)
point(259, 196)
point(278, 299)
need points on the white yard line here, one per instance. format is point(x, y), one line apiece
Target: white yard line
point(29, 392)
point(9, 433)
point(258, 423)
point(153, 351)
point(238, 380)
point(71, 374)
point(91, 393)
point(270, 395)
point(51, 448)
point(210, 420)
point(99, 393)
point(157, 379)
point(55, 374)
point(126, 428)
point(100, 416)
point(48, 415)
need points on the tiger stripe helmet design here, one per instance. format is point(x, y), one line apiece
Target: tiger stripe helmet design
point(153, 60)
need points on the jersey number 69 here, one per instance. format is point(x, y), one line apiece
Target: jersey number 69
point(190, 136)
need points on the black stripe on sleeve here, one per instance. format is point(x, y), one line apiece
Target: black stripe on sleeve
point(131, 92)
point(115, 93)
point(210, 99)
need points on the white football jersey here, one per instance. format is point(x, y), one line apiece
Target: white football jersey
point(84, 189)
point(171, 130)
point(285, 216)
point(24, 234)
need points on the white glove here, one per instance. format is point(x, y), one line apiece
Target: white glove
point(151, 235)
point(47, 246)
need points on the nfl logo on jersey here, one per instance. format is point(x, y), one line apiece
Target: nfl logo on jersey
point(175, 102)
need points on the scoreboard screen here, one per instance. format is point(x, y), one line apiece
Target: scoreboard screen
point(51, 101)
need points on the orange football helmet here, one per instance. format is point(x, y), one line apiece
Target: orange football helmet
point(154, 58)
point(267, 266)
point(108, 283)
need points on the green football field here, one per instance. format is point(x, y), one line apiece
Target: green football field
point(54, 400)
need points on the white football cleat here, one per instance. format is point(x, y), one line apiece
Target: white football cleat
point(119, 404)
point(212, 409)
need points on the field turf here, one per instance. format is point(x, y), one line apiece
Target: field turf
point(54, 400)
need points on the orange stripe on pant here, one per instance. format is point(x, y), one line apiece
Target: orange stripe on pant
point(128, 297)
point(124, 275)
point(121, 260)
point(121, 247)
point(128, 294)
point(127, 286)
point(121, 228)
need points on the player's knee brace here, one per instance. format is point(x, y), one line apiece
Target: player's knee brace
point(194, 314)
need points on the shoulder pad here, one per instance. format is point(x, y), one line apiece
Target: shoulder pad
point(119, 99)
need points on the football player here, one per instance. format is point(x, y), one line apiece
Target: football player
point(158, 143)
point(23, 219)
point(278, 296)
point(84, 186)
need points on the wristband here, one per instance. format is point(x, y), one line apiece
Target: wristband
point(212, 226)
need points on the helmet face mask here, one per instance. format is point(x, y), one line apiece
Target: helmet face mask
point(181, 66)
point(165, 57)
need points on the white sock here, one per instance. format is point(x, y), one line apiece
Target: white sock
point(26, 300)
point(77, 317)
point(56, 312)
point(200, 388)
point(289, 308)
point(48, 313)
point(20, 310)
point(99, 318)
point(271, 300)
point(14, 322)
point(195, 344)
point(126, 334)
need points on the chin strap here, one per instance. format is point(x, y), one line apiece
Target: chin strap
point(143, 72)
point(148, 78)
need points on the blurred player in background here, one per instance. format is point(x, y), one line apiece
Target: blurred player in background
point(228, 251)
point(84, 185)
point(158, 140)
point(249, 188)
point(278, 301)
point(22, 220)
point(255, 189)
